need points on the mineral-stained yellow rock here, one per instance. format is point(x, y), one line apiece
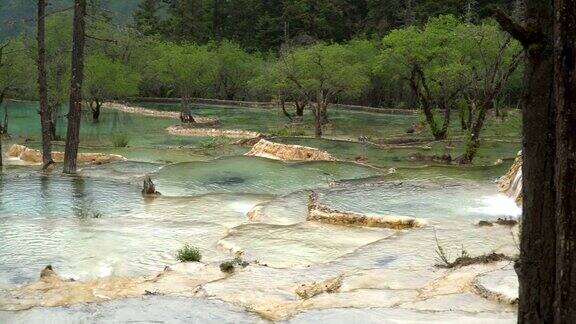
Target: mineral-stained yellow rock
point(35, 156)
point(153, 113)
point(309, 290)
point(323, 214)
point(52, 290)
point(182, 130)
point(285, 152)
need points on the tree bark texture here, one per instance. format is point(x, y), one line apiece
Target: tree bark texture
point(547, 266)
point(75, 110)
point(565, 179)
point(45, 118)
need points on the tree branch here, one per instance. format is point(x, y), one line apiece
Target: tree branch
point(101, 39)
point(525, 36)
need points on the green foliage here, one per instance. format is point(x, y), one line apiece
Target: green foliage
point(16, 67)
point(120, 140)
point(189, 69)
point(189, 254)
point(235, 68)
point(146, 18)
point(58, 44)
point(320, 69)
point(107, 79)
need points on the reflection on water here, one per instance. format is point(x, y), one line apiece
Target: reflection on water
point(90, 227)
point(252, 175)
point(98, 224)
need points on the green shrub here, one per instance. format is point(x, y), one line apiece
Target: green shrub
point(288, 131)
point(227, 267)
point(120, 140)
point(189, 254)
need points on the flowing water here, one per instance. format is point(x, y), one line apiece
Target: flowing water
point(97, 224)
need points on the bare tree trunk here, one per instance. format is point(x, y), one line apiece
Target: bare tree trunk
point(536, 268)
point(318, 114)
point(5, 123)
point(54, 112)
point(284, 111)
point(565, 179)
point(537, 265)
point(74, 114)
point(473, 143)
point(2, 95)
point(300, 105)
point(317, 121)
point(43, 87)
point(425, 100)
point(95, 108)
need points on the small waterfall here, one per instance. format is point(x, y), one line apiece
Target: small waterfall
point(511, 182)
point(515, 190)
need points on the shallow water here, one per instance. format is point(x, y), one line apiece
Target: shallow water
point(136, 310)
point(345, 124)
point(97, 224)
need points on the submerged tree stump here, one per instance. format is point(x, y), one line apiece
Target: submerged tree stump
point(186, 116)
point(149, 190)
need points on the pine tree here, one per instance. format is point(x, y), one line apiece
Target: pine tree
point(409, 13)
point(471, 11)
point(519, 11)
point(145, 18)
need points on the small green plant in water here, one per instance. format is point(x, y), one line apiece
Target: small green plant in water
point(214, 142)
point(288, 131)
point(230, 266)
point(189, 253)
point(120, 140)
point(85, 214)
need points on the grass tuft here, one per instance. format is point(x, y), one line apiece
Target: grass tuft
point(189, 253)
point(120, 140)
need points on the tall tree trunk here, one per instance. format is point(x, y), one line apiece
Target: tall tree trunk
point(536, 267)
point(565, 179)
point(43, 87)
point(75, 110)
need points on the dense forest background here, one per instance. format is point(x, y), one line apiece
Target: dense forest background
point(260, 24)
